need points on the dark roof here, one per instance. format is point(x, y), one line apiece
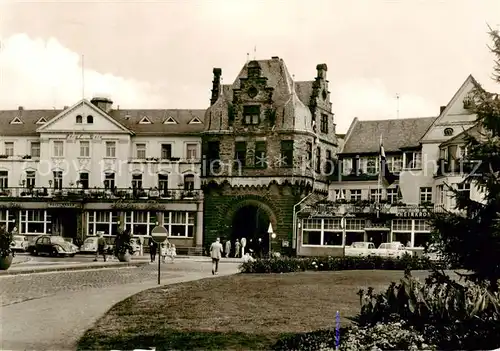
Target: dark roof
point(128, 118)
point(364, 136)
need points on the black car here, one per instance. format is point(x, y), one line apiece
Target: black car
point(52, 245)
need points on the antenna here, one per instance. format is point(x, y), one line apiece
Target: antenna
point(248, 57)
point(397, 105)
point(254, 52)
point(83, 77)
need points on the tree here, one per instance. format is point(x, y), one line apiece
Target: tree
point(470, 238)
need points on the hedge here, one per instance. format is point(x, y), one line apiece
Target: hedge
point(328, 263)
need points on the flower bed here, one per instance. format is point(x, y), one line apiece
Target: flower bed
point(328, 263)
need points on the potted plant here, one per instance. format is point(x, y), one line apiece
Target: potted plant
point(123, 249)
point(6, 253)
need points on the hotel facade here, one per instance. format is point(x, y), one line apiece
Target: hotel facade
point(91, 169)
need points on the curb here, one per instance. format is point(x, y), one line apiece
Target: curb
point(72, 268)
point(27, 259)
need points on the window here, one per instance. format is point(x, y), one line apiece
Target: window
point(189, 182)
point(329, 163)
point(392, 195)
point(355, 224)
point(355, 194)
point(34, 222)
point(79, 119)
point(212, 154)
point(413, 160)
point(84, 180)
point(240, 153)
point(90, 119)
point(166, 151)
point(401, 225)
point(311, 232)
point(9, 148)
point(318, 160)
point(464, 189)
point(440, 194)
point(140, 151)
point(309, 153)
point(58, 148)
point(140, 222)
point(104, 222)
point(58, 179)
point(84, 149)
point(4, 179)
point(251, 114)
point(448, 131)
point(260, 154)
point(347, 166)
point(109, 180)
point(425, 194)
point(376, 195)
point(35, 149)
point(191, 151)
point(402, 231)
point(179, 223)
point(286, 153)
point(324, 123)
point(8, 218)
point(395, 163)
point(30, 179)
point(110, 149)
point(163, 183)
point(137, 181)
point(369, 165)
point(318, 231)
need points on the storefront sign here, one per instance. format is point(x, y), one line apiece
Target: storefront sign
point(63, 205)
point(75, 136)
point(413, 213)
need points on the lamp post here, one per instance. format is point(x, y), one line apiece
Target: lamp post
point(272, 236)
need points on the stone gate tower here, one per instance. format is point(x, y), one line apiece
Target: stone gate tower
point(266, 145)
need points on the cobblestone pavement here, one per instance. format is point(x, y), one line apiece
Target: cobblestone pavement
point(50, 311)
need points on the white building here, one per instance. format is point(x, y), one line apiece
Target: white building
point(90, 168)
point(424, 155)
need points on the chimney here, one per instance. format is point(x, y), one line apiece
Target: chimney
point(20, 108)
point(216, 86)
point(441, 109)
point(65, 107)
point(321, 68)
point(104, 103)
point(275, 58)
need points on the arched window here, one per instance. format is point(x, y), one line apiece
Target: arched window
point(79, 119)
point(90, 119)
point(448, 132)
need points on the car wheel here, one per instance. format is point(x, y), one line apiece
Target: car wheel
point(54, 253)
point(72, 255)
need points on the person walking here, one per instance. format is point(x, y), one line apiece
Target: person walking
point(163, 251)
point(216, 254)
point(237, 246)
point(101, 248)
point(172, 253)
point(153, 247)
point(228, 248)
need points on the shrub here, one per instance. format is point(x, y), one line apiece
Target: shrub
point(316, 340)
point(6, 238)
point(328, 263)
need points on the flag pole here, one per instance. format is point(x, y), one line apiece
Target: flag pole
point(379, 185)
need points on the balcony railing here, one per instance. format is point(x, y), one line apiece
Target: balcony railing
point(100, 194)
point(455, 167)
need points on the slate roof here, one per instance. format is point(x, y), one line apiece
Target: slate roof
point(128, 118)
point(397, 134)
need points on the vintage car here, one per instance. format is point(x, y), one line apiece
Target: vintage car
point(392, 250)
point(360, 249)
point(53, 245)
point(90, 245)
point(19, 243)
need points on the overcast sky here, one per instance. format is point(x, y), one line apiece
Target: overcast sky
point(160, 54)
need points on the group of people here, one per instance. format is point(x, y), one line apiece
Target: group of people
point(167, 249)
point(216, 252)
point(240, 246)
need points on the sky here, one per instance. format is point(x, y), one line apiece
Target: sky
point(160, 54)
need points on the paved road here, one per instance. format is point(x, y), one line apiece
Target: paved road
point(52, 310)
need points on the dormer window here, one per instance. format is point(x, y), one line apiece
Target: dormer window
point(90, 119)
point(448, 132)
point(251, 114)
point(79, 119)
point(253, 69)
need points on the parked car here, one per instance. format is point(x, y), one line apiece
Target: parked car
point(53, 245)
point(19, 243)
point(360, 249)
point(392, 250)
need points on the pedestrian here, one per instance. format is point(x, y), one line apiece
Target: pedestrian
point(237, 248)
point(216, 254)
point(153, 246)
point(173, 253)
point(101, 248)
point(228, 248)
point(163, 251)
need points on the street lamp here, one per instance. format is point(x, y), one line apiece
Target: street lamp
point(272, 237)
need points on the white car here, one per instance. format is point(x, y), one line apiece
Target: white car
point(392, 250)
point(19, 243)
point(360, 249)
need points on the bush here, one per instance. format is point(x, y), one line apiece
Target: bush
point(448, 314)
point(316, 340)
point(328, 263)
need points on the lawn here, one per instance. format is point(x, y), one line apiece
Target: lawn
point(243, 311)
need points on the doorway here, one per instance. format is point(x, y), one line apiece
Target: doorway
point(377, 236)
point(251, 222)
point(65, 222)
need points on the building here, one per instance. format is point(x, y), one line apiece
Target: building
point(92, 168)
point(268, 141)
point(422, 154)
